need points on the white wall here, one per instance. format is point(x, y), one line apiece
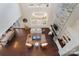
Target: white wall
point(27, 11)
point(74, 19)
point(9, 13)
point(75, 25)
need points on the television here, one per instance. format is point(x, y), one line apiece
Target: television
point(36, 37)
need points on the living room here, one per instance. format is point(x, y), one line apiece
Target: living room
point(36, 29)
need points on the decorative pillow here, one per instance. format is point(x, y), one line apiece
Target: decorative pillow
point(44, 44)
point(28, 44)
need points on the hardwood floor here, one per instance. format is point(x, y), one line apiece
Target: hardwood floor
point(17, 46)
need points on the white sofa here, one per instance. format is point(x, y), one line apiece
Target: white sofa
point(8, 36)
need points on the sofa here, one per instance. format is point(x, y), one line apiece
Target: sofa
point(7, 37)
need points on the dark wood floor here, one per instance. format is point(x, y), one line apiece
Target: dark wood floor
point(17, 46)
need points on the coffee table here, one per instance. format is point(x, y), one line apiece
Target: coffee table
point(30, 42)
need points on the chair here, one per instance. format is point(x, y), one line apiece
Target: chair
point(29, 41)
point(43, 41)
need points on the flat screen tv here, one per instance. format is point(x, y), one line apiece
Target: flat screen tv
point(36, 37)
